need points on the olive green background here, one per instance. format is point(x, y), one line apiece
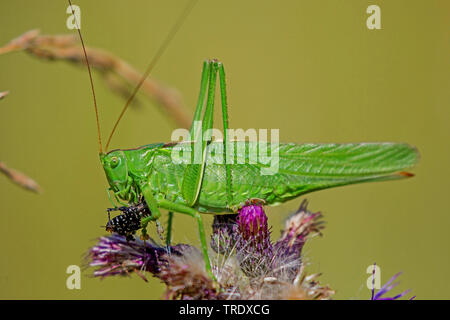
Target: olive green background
point(310, 68)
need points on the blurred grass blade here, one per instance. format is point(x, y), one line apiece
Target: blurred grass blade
point(20, 178)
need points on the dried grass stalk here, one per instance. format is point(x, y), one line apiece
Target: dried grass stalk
point(118, 74)
point(20, 179)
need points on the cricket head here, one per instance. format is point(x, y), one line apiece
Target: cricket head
point(116, 169)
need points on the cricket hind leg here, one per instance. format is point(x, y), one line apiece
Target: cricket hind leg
point(223, 96)
point(180, 208)
point(194, 171)
point(150, 200)
point(217, 66)
point(169, 230)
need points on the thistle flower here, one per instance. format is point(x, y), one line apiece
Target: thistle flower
point(267, 270)
point(253, 246)
point(288, 249)
point(186, 278)
point(114, 255)
point(387, 288)
point(307, 287)
point(252, 225)
point(180, 267)
point(223, 237)
point(298, 227)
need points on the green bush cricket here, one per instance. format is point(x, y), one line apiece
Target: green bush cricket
point(149, 173)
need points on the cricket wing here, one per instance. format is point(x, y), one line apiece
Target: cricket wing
point(310, 167)
point(278, 173)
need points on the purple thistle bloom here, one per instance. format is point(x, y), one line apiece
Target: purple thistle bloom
point(186, 278)
point(249, 237)
point(387, 288)
point(223, 237)
point(253, 228)
point(252, 221)
point(180, 267)
point(253, 246)
point(288, 249)
point(298, 227)
point(114, 255)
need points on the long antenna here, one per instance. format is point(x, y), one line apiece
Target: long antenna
point(153, 62)
point(100, 149)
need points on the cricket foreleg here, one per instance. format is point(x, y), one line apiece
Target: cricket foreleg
point(153, 207)
point(109, 197)
point(201, 230)
point(132, 196)
point(116, 196)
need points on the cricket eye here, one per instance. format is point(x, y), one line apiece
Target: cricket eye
point(114, 162)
